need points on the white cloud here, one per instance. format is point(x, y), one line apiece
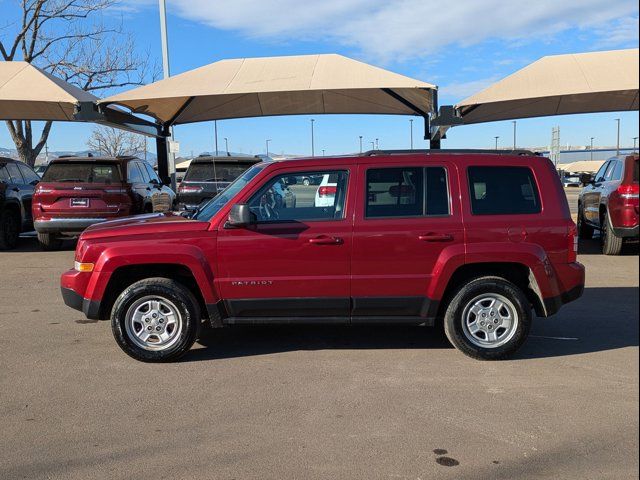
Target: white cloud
point(399, 29)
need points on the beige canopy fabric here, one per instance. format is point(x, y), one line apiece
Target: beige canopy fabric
point(560, 85)
point(586, 166)
point(28, 93)
point(295, 85)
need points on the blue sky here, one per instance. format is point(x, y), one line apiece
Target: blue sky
point(462, 47)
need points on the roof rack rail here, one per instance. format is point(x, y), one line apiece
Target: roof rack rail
point(522, 152)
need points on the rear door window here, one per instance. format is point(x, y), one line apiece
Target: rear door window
point(220, 172)
point(407, 192)
point(503, 191)
point(133, 173)
point(82, 172)
point(14, 173)
point(4, 174)
point(29, 175)
point(616, 171)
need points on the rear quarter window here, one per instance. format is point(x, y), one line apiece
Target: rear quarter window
point(503, 191)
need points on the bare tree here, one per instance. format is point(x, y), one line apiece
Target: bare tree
point(68, 39)
point(113, 142)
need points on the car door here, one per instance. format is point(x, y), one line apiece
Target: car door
point(19, 190)
point(140, 189)
point(31, 179)
point(294, 261)
point(404, 220)
point(592, 193)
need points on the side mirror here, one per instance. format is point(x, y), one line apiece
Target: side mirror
point(586, 178)
point(240, 216)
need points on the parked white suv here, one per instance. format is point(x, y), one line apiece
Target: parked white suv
point(326, 193)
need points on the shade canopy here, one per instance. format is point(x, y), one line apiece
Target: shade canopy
point(587, 166)
point(295, 85)
point(28, 93)
point(560, 85)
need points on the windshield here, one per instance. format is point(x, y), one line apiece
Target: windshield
point(88, 172)
point(223, 171)
point(214, 205)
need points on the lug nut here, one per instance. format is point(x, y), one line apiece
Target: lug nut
point(482, 324)
point(147, 320)
point(490, 327)
point(495, 321)
point(155, 315)
point(158, 328)
point(149, 327)
point(161, 320)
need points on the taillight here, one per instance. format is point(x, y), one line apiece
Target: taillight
point(629, 191)
point(326, 191)
point(572, 247)
point(189, 189)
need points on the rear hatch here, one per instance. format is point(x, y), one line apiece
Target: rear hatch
point(88, 188)
point(205, 179)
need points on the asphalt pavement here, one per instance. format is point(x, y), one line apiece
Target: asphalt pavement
point(322, 402)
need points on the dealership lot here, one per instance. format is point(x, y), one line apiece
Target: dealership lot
point(325, 402)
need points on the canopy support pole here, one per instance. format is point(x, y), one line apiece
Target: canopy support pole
point(163, 159)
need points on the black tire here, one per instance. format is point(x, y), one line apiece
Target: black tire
point(469, 293)
point(306, 182)
point(585, 231)
point(611, 245)
point(165, 289)
point(9, 229)
point(49, 242)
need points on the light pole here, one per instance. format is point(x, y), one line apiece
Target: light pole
point(215, 132)
point(411, 132)
point(267, 144)
point(360, 143)
point(226, 145)
point(166, 71)
point(377, 147)
point(373, 146)
point(323, 152)
point(496, 137)
point(591, 147)
point(635, 141)
point(313, 148)
point(514, 134)
point(618, 140)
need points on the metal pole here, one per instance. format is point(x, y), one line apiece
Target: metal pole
point(618, 141)
point(226, 145)
point(313, 148)
point(323, 152)
point(411, 134)
point(377, 144)
point(360, 143)
point(591, 148)
point(514, 134)
point(635, 141)
point(166, 70)
point(267, 143)
point(215, 130)
point(373, 146)
point(496, 142)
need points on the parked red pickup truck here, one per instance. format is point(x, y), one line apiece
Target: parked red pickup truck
point(477, 240)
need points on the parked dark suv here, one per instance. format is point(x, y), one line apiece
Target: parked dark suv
point(76, 192)
point(207, 176)
point(610, 204)
point(475, 240)
point(17, 181)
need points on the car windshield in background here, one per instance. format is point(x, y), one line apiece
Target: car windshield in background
point(78, 172)
point(214, 205)
point(222, 172)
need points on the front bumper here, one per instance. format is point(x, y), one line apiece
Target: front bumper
point(73, 299)
point(71, 225)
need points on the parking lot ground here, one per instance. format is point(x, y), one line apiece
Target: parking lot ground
point(322, 402)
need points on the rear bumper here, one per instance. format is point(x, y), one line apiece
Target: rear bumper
point(572, 276)
point(626, 232)
point(70, 225)
point(73, 299)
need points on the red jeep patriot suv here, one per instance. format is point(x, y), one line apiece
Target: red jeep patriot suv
point(478, 240)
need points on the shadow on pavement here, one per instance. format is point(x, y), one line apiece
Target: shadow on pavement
point(603, 319)
point(28, 242)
